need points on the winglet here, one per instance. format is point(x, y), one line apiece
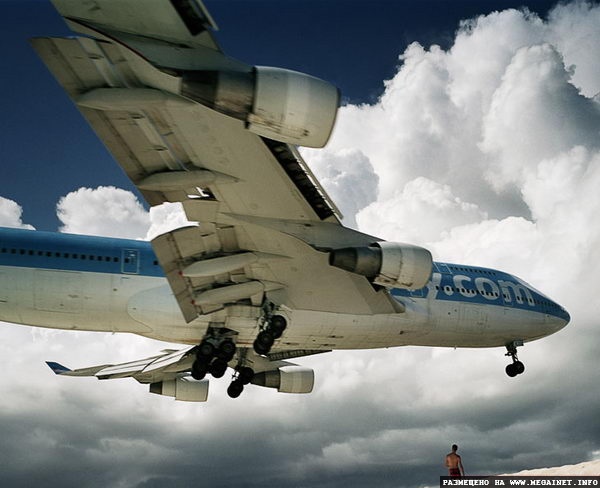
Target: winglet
point(58, 368)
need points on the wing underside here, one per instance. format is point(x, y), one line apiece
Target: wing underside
point(249, 194)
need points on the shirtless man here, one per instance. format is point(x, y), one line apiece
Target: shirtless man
point(454, 463)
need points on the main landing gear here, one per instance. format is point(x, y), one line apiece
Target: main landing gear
point(274, 328)
point(212, 356)
point(516, 367)
point(218, 349)
point(243, 376)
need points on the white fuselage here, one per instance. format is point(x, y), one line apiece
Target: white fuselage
point(60, 291)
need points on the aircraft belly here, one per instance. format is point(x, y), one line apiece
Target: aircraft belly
point(323, 330)
point(460, 324)
point(156, 308)
point(8, 297)
point(67, 300)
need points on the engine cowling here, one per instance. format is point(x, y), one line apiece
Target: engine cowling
point(389, 264)
point(280, 104)
point(184, 389)
point(287, 379)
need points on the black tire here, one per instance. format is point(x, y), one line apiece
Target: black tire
point(511, 370)
point(245, 375)
point(260, 348)
point(217, 368)
point(519, 367)
point(199, 370)
point(235, 389)
point(263, 342)
point(227, 350)
point(277, 326)
point(205, 350)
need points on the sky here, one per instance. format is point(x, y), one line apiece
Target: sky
point(472, 128)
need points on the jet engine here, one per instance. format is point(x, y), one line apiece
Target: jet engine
point(287, 379)
point(184, 389)
point(276, 103)
point(389, 264)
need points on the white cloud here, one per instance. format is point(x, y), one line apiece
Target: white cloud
point(113, 212)
point(575, 30)
point(165, 218)
point(535, 114)
point(422, 200)
point(349, 178)
point(10, 214)
point(105, 211)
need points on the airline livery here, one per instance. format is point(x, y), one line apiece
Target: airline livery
point(267, 273)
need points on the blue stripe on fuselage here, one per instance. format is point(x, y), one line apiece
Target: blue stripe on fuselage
point(71, 252)
point(484, 286)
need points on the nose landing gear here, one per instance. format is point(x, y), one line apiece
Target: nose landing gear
point(516, 367)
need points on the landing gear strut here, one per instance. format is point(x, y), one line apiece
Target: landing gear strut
point(516, 367)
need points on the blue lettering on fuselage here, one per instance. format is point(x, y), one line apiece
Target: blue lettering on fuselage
point(469, 287)
point(484, 286)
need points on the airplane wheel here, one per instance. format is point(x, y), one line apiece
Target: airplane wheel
point(218, 367)
point(510, 370)
point(260, 349)
point(263, 342)
point(245, 375)
point(519, 367)
point(199, 370)
point(515, 369)
point(235, 389)
point(277, 325)
point(206, 349)
point(227, 350)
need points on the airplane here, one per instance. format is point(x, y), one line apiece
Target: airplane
point(265, 272)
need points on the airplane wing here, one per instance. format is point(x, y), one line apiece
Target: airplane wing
point(164, 103)
point(168, 374)
point(167, 365)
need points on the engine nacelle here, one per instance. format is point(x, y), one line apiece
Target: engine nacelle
point(388, 264)
point(276, 103)
point(184, 389)
point(287, 379)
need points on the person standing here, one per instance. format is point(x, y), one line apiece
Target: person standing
point(454, 463)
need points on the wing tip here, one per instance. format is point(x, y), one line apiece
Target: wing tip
point(58, 368)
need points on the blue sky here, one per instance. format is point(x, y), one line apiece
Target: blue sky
point(49, 151)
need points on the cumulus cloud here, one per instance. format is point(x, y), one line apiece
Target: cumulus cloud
point(10, 214)
point(113, 212)
point(349, 178)
point(489, 149)
point(420, 201)
point(488, 153)
point(105, 211)
point(165, 218)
